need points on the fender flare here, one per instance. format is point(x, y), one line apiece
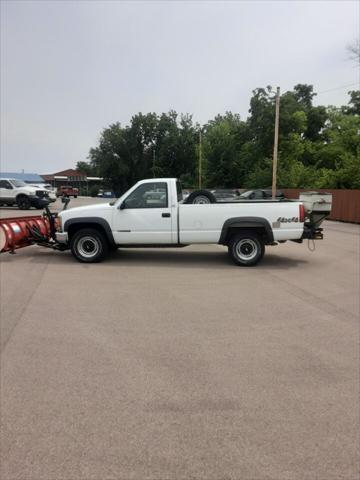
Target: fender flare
point(246, 222)
point(94, 221)
point(22, 194)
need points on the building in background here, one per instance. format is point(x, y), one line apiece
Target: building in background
point(25, 177)
point(73, 178)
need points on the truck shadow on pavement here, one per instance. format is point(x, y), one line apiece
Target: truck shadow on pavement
point(160, 259)
point(191, 259)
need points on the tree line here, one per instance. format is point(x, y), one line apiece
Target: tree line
point(319, 147)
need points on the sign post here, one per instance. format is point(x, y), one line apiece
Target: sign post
point(200, 158)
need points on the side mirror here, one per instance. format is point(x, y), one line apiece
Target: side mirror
point(122, 205)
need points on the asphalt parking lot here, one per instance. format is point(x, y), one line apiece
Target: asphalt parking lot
point(175, 364)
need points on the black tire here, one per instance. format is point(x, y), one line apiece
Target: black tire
point(75, 196)
point(201, 197)
point(88, 245)
point(246, 249)
point(23, 202)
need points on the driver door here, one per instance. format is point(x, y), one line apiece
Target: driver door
point(6, 191)
point(145, 216)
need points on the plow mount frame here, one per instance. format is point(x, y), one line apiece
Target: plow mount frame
point(39, 230)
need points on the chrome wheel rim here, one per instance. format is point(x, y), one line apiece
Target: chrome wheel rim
point(246, 249)
point(88, 247)
point(201, 199)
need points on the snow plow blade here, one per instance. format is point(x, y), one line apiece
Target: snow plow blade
point(18, 232)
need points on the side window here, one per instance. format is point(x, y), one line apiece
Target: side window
point(258, 195)
point(148, 195)
point(5, 184)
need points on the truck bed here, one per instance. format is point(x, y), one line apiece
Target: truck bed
point(204, 223)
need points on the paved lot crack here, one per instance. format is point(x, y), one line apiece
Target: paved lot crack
point(314, 300)
point(26, 289)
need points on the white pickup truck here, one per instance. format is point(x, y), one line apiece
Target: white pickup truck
point(153, 214)
point(25, 196)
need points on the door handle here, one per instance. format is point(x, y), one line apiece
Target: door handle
point(166, 215)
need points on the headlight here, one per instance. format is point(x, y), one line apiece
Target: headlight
point(58, 224)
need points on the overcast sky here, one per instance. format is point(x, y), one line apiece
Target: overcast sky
point(71, 68)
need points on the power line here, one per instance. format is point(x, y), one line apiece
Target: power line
point(338, 88)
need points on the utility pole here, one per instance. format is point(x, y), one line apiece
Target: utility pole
point(153, 169)
point(200, 158)
point(276, 142)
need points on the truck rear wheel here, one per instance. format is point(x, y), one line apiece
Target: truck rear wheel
point(246, 249)
point(88, 245)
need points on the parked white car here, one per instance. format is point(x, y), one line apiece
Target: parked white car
point(17, 192)
point(50, 189)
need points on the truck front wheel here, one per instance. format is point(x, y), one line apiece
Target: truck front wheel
point(88, 245)
point(246, 249)
point(23, 202)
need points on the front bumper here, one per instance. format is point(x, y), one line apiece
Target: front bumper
point(39, 202)
point(61, 237)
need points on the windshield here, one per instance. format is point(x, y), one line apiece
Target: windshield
point(246, 194)
point(18, 183)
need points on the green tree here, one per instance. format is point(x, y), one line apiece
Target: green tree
point(353, 107)
point(340, 152)
point(318, 146)
point(150, 146)
point(86, 168)
point(223, 139)
point(112, 158)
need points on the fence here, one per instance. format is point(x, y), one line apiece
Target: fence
point(345, 203)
